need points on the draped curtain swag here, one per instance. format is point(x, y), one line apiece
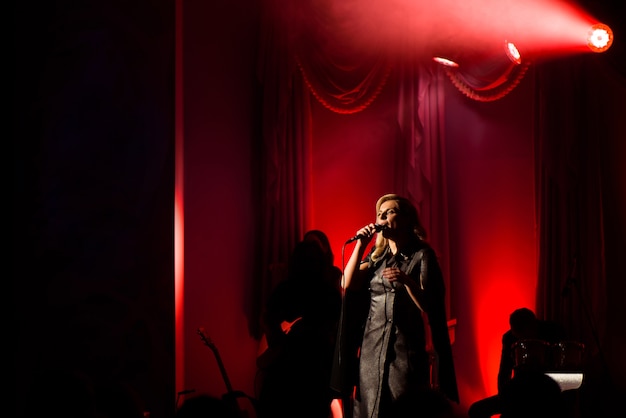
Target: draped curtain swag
point(341, 72)
point(495, 90)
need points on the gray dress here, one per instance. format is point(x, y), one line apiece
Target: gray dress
point(393, 355)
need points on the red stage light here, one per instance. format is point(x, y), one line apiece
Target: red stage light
point(445, 61)
point(512, 52)
point(599, 38)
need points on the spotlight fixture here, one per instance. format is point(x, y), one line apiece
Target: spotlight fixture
point(599, 37)
point(512, 52)
point(446, 62)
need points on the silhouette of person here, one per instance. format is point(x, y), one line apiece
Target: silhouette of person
point(334, 273)
point(403, 279)
point(300, 324)
point(524, 327)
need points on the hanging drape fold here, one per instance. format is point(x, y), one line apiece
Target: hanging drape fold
point(285, 158)
point(572, 280)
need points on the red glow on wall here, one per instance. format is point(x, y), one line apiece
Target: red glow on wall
point(179, 221)
point(179, 284)
point(345, 189)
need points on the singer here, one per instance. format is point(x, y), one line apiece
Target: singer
point(402, 278)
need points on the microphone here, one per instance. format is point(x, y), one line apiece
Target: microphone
point(377, 228)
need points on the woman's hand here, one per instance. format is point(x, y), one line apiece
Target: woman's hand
point(366, 233)
point(394, 274)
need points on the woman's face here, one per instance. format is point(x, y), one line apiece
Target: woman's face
point(388, 215)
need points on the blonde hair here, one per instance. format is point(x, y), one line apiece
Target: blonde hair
point(409, 212)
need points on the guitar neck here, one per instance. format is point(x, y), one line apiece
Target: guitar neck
point(220, 363)
point(207, 341)
point(231, 395)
